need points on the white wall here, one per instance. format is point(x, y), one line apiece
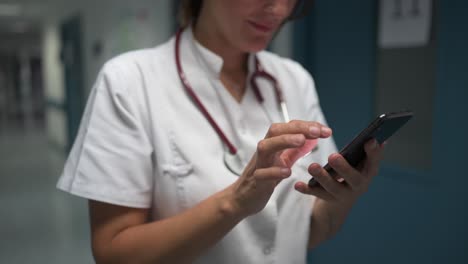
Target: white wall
point(123, 26)
point(119, 25)
point(53, 72)
point(53, 85)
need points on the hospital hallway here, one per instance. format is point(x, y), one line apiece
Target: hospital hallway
point(50, 54)
point(39, 224)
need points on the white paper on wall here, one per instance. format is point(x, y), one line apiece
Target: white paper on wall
point(132, 30)
point(404, 23)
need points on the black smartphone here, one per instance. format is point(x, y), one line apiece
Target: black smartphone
point(382, 128)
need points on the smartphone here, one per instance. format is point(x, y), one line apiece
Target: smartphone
point(382, 128)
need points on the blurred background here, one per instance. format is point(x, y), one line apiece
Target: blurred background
point(367, 57)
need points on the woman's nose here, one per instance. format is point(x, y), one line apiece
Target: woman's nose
point(280, 8)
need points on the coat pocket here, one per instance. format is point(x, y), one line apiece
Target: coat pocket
point(178, 168)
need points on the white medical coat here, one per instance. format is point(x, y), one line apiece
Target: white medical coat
point(143, 143)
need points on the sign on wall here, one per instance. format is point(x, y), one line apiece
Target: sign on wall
point(404, 23)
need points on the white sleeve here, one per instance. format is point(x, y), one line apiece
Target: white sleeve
point(111, 157)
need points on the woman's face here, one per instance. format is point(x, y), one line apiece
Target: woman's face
point(247, 25)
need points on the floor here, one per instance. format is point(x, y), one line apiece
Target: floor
point(38, 223)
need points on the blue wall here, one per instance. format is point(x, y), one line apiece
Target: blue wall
point(404, 218)
point(336, 43)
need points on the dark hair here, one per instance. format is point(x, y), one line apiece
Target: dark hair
point(189, 11)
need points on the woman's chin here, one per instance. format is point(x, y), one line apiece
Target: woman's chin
point(257, 46)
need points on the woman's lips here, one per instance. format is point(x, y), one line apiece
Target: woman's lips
point(264, 28)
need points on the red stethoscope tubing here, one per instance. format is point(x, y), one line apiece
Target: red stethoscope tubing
point(259, 72)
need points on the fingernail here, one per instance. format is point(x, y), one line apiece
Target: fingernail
point(326, 130)
point(314, 131)
point(315, 168)
point(285, 170)
point(299, 187)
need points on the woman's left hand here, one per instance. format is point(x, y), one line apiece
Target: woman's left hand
point(349, 182)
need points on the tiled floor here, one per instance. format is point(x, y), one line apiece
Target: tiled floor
point(38, 223)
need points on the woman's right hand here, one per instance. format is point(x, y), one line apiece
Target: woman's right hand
point(282, 146)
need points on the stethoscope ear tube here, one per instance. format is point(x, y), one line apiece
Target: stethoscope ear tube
point(196, 100)
point(260, 72)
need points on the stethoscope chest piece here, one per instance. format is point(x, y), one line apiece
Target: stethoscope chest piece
point(234, 162)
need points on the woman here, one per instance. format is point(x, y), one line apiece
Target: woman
point(166, 130)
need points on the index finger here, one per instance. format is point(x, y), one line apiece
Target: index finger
point(309, 129)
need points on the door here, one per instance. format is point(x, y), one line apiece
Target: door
point(72, 56)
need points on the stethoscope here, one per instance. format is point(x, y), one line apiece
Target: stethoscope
point(232, 159)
